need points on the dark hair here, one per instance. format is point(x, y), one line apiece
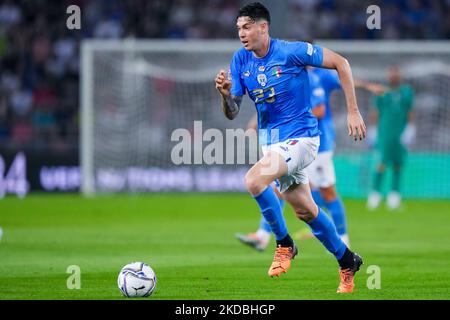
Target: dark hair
point(255, 11)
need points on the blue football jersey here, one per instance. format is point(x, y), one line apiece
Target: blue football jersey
point(329, 80)
point(278, 84)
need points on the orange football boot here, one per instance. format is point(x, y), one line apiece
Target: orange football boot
point(282, 260)
point(347, 276)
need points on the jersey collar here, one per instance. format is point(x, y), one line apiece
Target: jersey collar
point(268, 51)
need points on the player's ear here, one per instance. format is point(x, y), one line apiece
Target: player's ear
point(264, 26)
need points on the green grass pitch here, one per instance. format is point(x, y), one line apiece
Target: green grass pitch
point(189, 241)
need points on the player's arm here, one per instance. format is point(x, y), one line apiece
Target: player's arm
point(230, 103)
point(253, 123)
point(375, 88)
point(355, 122)
point(333, 83)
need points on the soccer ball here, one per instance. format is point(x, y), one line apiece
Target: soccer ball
point(136, 279)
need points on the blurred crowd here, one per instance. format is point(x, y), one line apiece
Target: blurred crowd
point(39, 56)
point(400, 19)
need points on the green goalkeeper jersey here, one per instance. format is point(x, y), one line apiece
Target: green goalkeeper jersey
point(393, 109)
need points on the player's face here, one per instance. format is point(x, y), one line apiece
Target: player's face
point(250, 33)
point(394, 76)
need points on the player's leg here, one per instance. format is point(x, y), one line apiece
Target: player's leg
point(285, 158)
point(375, 197)
point(260, 239)
point(316, 194)
point(300, 198)
point(314, 173)
point(398, 157)
point(258, 180)
point(322, 174)
point(336, 209)
point(394, 199)
point(264, 231)
point(326, 181)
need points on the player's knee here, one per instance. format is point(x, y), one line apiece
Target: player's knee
point(304, 215)
point(253, 184)
point(306, 212)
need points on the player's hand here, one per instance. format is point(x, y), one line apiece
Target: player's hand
point(377, 89)
point(356, 125)
point(222, 83)
point(408, 136)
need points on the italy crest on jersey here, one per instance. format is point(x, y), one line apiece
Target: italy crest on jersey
point(262, 79)
point(276, 72)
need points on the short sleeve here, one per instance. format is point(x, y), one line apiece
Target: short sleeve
point(305, 54)
point(237, 83)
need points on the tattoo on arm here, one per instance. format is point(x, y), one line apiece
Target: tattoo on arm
point(231, 105)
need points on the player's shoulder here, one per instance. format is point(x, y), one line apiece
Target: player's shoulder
point(240, 56)
point(291, 45)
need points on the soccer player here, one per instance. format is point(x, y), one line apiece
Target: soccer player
point(271, 71)
point(395, 130)
point(260, 239)
point(321, 171)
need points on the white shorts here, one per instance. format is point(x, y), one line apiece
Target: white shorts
point(298, 154)
point(321, 171)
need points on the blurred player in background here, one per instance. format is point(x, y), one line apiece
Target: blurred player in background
point(321, 171)
point(395, 131)
point(272, 71)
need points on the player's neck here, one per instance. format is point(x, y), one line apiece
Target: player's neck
point(264, 50)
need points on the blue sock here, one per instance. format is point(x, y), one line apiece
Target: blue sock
point(317, 197)
point(337, 211)
point(324, 230)
point(271, 210)
point(263, 223)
